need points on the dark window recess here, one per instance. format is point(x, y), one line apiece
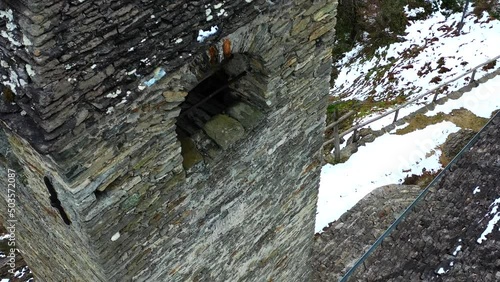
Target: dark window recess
point(100, 194)
point(54, 201)
point(209, 98)
point(106, 191)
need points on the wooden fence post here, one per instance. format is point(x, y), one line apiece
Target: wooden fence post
point(336, 136)
point(435, 97)
point(472, 78)
point(396, 116)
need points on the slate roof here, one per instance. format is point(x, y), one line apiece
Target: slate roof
point(453, 233)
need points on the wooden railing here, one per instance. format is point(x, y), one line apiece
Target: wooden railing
point(337, 136)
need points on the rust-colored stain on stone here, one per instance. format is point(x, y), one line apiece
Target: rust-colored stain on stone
point(213, 54)
point(226, 48)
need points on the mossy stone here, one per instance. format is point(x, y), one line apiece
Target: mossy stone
point(300, 25)
point(190, 154)
point(131, 202)
point(174, 96)
point(224, 130)
point(323, 12)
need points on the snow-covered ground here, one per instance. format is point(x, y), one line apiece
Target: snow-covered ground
point(390, 158)
point(387, 160)
point(482, 101)
point(428, 41)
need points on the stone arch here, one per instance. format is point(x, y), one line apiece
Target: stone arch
point(221, 108)
point(240, 106)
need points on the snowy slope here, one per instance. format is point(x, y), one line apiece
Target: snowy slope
point(437, 52)
point(390, 158)
point(415, 62)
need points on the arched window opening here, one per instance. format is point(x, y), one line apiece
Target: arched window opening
point(218, 112)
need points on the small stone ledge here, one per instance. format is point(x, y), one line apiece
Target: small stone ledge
point(224, 130)
point(219, 134)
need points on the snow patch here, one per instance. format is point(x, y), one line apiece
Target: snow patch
point(114, 94)
point(442, 271)
point(476, 190)
point(481, 101)
point(491, 224)
point(221, 12)
point(203, 35)
point(11, 26)
point(4, 237)
point(26, 41)
point(413, 12)
point(387, 160)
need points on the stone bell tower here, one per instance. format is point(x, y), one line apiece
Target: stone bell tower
point(164, 140)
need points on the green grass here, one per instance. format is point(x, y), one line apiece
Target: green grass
point(463, 118)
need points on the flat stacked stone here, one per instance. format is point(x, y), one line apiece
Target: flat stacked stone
point(92, 137)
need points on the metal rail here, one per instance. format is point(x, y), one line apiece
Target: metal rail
point(217, 91)
point(415, 202)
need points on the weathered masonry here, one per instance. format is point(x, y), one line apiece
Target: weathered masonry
point(164, 140)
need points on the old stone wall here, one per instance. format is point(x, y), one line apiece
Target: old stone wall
point(52, 246)
point(100, 113)
point(452, 234)
point(60, 59)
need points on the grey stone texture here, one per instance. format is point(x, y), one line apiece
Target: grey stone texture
point(96, 120)
point(344, 241)
point(456, 141)
point(224, 130)
point(440, 240)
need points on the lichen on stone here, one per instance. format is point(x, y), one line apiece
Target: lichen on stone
point(190, 154)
